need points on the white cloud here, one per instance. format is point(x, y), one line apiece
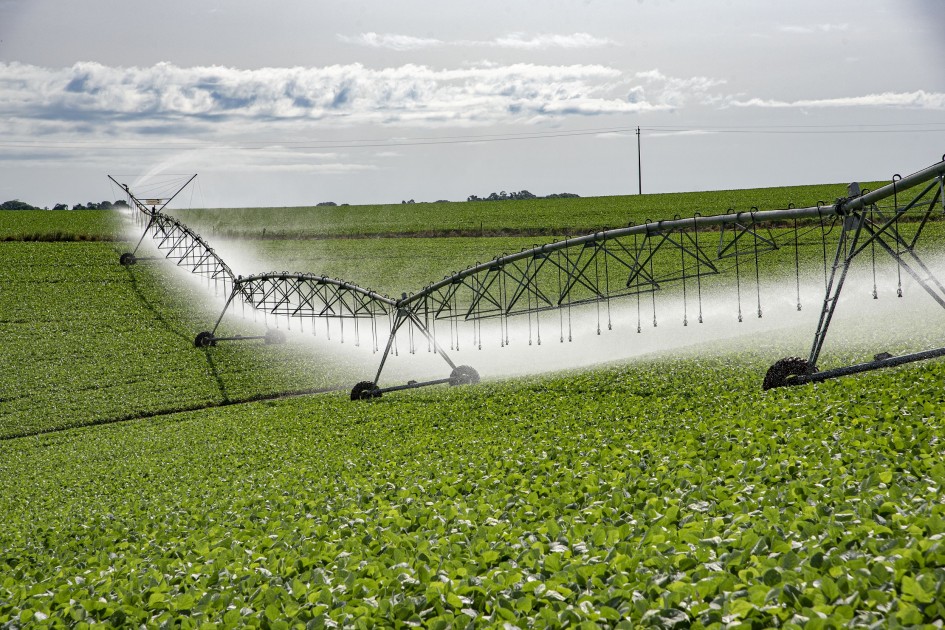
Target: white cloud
point(675, 91)
point(548, 40)
point(813, 29)
point(516, 40)
point(165, 101)
point(193, 100)
point(919, 99)
point(654, 132)
point(206, 159)
point(391, 41)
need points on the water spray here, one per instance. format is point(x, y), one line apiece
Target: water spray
point(594, 270)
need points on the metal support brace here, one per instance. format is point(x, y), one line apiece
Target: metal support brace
point(841, 264)
point(403, 316)
point(229, 300)
point(876, 364)
point(147, 228)
point(848, 250)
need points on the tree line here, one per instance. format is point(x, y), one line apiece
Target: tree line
point(16, 204)
point(522, 194)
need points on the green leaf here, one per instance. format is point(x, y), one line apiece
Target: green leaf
point(184, 602)
point(915, 591)
point(829, 588)
point(272, 612)
point(908, 615)
point(772, 577)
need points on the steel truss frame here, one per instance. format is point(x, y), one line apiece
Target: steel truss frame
point(568, 272)
point(178, 242)
point(867, 226)
point(141, 205)
point(597, 268)
point(303, 296)
point(188, 250)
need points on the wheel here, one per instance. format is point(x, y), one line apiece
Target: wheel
point(463, 375)
point(365, 390)
point(784, 370)
point(204, 339)
point(275, 336)
point(127, 259)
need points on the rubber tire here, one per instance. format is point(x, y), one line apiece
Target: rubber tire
point(365, 390)
point(204, 339)
point(779, 374)
point(463, 375)
point(275, 337)
point(127, 259)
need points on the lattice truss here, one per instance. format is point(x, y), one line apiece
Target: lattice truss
point(680, 254)
point(690, 255)
point(302, 296)
point(175, 240)
point(563, 275)
point(188, 250)
point(309, 296)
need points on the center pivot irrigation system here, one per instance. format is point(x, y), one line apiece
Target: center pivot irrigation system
point(591, 271)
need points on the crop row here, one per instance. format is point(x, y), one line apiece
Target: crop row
point(669, 492)
point(86, 340)
point(89, 337)
point(50, 225)
point(666, 492)
point(544, 216)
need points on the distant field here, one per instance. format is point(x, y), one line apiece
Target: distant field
point(667, 491)
point(537, 217)
point(534, 216)
point(58, 225)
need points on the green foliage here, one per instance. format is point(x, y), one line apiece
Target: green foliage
point(59, 225)
point(532, 216)
point(515, 196)
point(88, 341)
point(670, 492)
point(16, 204)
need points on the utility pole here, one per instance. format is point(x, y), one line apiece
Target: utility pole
point(639, 166)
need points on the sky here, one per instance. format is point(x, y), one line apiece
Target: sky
point(363, 101)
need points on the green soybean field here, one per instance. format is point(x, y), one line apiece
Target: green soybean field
point(150, 483)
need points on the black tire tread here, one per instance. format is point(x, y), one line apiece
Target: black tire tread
point(365, 390)
point(779, 374)
point(463, 375)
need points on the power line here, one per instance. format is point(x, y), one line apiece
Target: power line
point(792, 131)
point(349, 141)
point(825, 126)
point(318, 144)
point(398, 141)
